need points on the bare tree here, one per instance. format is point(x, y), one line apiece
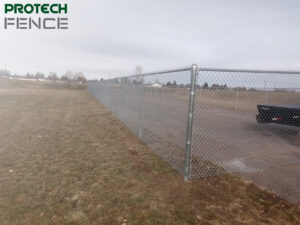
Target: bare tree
point(29, 76)
point(64, 78)
point(79, 76)
point(52, 76)
point(138, 70)
point(205, 85)
point(69, 75)
point(39, 75)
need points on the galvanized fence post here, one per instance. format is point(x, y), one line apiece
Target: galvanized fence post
point(111, 96)
point(189, 131)
point(237, 99)
point(122, 100)
point(141, 106)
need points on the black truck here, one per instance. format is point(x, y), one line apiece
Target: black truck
point(281, 114)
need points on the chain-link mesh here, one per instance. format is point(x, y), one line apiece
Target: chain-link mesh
point(239, 117)
point(227, 135)
point(154, 107)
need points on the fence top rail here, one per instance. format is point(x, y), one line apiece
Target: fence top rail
point(247, 71)
point(212, 70)
point(155, 73)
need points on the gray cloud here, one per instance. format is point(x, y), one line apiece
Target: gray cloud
point(116, 35)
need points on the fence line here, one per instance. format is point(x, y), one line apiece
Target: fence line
point(202, 121)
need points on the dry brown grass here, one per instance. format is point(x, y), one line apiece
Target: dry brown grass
point(243, 100)
point(246, 101)
point(64, 159)
point(35, 84)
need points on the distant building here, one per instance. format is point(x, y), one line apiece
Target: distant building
point(156, 85)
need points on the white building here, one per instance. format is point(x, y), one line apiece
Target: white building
point(156, 85)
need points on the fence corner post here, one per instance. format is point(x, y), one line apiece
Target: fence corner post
point(189, 131)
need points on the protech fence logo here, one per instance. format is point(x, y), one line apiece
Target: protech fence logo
point(52, 16)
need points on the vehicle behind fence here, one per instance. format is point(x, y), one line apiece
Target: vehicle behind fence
point(203, 121)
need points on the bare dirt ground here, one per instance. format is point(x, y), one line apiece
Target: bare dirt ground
point(267, 152)
point(64, 159)
point(284, 181)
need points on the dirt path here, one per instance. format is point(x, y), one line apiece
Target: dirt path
point(64, 159)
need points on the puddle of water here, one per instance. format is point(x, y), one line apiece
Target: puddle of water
point(237, 165)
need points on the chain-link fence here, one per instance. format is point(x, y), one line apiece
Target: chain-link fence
point(205, 122)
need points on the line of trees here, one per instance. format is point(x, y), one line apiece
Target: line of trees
point(4, 73)
point(204, 86)
point(68, 76)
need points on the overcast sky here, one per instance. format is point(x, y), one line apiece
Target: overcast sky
point(116, 35)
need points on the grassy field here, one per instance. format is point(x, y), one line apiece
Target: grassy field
point(64, 159)
point(241, 100)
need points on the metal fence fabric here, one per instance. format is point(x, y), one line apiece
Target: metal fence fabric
point(227, 136)
point(203, 121)
point(154, 107)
